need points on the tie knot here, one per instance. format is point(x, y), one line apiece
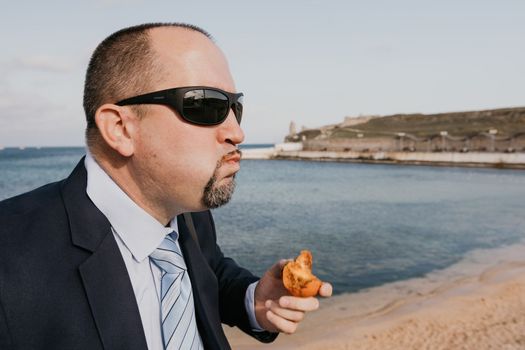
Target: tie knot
point(168, 257)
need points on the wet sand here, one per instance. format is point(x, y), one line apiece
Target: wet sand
point(478, 303)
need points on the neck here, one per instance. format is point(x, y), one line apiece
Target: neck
point(140, 189)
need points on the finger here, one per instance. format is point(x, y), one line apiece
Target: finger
point(280, 323)
point(291, 315)
point(300, 304)
point(325, 290)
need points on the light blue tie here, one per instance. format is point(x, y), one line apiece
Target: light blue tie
point(179, 328)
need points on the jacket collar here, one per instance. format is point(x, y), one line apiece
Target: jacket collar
point(103, 273)
point(206, 300)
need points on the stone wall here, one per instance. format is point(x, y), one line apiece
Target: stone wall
point(478, 143)
point(358, 145)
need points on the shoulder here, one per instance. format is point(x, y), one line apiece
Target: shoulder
point(203, 221)
point(29, 202)
point(42, 205)
point(205, 230)
point(31, 217)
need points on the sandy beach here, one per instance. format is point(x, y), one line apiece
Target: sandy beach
point(478, 303)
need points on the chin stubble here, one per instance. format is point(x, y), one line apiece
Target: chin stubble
point(216, 195)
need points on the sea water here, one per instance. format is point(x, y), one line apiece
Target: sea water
point(366, 224)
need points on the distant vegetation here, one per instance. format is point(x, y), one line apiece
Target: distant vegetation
point(496, 130)
point(507, 122)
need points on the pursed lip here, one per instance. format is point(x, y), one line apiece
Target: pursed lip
point(232, 162)
point(232, 157)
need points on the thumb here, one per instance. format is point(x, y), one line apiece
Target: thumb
point(277, 269)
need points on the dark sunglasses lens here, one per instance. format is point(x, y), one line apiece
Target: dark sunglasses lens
point(205, 107)
point(237, 109)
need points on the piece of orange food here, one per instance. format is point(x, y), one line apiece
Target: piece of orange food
point(298, 277)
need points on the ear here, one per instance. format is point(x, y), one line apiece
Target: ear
point(117, 126)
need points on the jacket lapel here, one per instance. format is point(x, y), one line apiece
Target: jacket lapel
point(205, 290)
point(104, 274)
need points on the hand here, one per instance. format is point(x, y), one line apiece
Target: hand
point(278, 311)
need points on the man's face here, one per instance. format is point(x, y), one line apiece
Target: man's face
point(180, 166)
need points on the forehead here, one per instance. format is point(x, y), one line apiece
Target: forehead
point(189, 58)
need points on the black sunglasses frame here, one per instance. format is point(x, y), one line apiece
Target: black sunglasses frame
point(174, 98)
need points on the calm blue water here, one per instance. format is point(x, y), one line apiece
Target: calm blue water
point(365, 224)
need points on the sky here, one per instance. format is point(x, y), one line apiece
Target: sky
point(308, 61)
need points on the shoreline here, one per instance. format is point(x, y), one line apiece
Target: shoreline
point(403, 162)
point(477, 160)
point(291, 151)
point(477, 303)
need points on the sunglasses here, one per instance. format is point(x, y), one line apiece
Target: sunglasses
point(199, 105)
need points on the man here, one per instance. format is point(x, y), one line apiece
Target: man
point(104, 259)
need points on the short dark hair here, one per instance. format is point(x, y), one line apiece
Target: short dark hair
point(122, 65)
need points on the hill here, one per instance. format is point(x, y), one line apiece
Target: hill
point(507, 121)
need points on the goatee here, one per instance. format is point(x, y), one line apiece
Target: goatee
point(216, 195)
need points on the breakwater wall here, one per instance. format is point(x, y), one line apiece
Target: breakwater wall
point(498, 160)
point(475, 159)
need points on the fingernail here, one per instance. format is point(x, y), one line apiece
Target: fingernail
point(268, 304)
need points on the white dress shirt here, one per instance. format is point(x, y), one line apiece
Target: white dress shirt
point(138, 234)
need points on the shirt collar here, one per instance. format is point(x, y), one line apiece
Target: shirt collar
point(140, 232)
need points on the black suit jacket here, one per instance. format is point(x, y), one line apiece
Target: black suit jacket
point(64, 284)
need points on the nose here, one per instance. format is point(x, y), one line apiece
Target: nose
point(230, 131)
